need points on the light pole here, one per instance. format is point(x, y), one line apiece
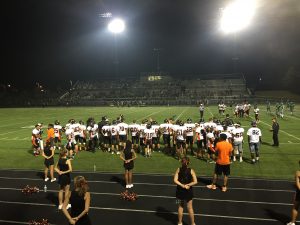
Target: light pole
point(116, 26)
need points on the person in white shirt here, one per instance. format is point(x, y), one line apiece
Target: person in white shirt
point(256, 113)
point(180, 135)
point(93, 136)
point(156, 136)
point(166, 128)
point(105, 131)
point(114, 135)
point(254, 140)
point(190, 127)
point(123, 128)
point(238, 138)
point(148, 134)
point(134, 131)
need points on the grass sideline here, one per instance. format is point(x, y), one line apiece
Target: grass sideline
point(276, 163)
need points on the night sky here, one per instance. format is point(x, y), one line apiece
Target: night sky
point(55, 40)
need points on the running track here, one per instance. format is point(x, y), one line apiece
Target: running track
point(247, 201)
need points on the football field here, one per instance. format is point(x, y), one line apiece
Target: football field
point(16, 125)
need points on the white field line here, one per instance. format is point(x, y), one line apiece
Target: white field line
point(210, 111)
point(181, 114)
point(157, 184)
point(171, 197)
point(146, 174)
point(149, 211)
point(282, 131)
point(150, 114)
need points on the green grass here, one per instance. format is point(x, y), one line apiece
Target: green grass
point(16, 126)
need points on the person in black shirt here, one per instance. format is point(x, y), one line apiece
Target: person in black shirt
point(128, 155)
point(48, 153)
point(296, 202)
point(64, 169)
point(275, 130)
point(185, 178)
point(80, 200)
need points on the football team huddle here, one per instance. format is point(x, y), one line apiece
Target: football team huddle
point(178, 137)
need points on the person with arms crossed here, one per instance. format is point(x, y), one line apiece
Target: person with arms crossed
point(185, 178)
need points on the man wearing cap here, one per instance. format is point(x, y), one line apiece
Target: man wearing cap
point(254, 140)
point(224, 150)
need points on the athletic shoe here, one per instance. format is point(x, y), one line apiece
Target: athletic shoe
point(68, 206)
point(60, 207)
point(127, 186)
point(241, 159)
point(211, 186)
point(290, 223)
point(234, 158)
point(46, 179)
point(224, 188)
point(54, 179)
point(130, 185)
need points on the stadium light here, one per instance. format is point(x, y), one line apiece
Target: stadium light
point(237, 15)
point(116, 26)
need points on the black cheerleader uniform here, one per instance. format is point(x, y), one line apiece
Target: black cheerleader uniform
point(128, 155)
point(184, 177)
point(63, 179)
point(48, 152)
point(78, 205)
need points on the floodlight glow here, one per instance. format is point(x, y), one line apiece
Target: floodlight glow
point(237, 15)
point(116, 26)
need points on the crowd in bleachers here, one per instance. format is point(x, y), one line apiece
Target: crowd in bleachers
point(170, 92)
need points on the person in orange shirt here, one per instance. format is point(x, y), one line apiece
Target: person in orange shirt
point(50, 134)
point(223, 150)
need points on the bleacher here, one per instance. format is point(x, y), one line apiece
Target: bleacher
point(164, 90)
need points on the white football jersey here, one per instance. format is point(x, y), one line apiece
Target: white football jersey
point(156, 129)
point(166, 128)
point(149, 133)
point(190, 129)
point(237, 134)
point(254, 133)
point(134, 128)
point(123, 127)
point(180, 131)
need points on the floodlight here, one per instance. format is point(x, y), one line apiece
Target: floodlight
point(116, 26)
point(237, 15)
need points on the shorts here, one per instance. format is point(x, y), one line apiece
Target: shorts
point(148, 142)
point(155, 140)
point(180, 143)
point(189, 140)
point(106, 140)
point(297, 196)
point(114, 140)
point(64, 180)
point(167, 139)
point(129, 166)
point(135, 139)
point(57, 140)
point(123, 138)
point(222, 169)
point(49, 162)
point(200, 144)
